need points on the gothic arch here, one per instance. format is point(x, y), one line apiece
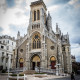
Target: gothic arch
point(34, 15)
point(38, 14)
point(53, 62)
point(21, 61)
point(35, 61)
point(35, 32)
point(33, 54)
point(36, 41)
point(52, 56)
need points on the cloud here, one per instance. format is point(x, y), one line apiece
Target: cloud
point(10, 3)
point(75, 3)
point(15, 16)
point(60, 1)
point(15, 28)
point(53, 8)
point(1, 29)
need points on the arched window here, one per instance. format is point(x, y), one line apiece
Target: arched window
point(34, 15)
point(36, 42)
point(38, 15)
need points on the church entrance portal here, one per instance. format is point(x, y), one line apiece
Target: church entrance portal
point(21, 62)
point(35, 62)
point(53, 62)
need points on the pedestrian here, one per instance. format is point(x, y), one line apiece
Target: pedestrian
point(72, 76)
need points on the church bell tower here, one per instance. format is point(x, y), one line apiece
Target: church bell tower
point(37, 15)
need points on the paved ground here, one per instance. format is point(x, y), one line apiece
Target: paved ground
point(65, 78)
point(49, 77)
point(3, 77)
point(77, 77)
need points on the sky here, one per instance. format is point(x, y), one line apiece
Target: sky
point(15, 14)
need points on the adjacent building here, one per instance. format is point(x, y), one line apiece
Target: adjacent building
point(41, 46)
point(73, 58)
point(7, 44)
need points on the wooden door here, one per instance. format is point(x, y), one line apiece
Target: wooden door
point(38, 64)
point(33, 65)
point(53, 64)
point(21, 65)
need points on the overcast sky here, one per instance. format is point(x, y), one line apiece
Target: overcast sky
point(14, 17)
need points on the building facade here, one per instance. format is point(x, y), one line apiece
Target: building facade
point(73, 58)
point(41, 46)
point(7, 44)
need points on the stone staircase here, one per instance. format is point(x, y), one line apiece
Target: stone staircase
point(28, 72)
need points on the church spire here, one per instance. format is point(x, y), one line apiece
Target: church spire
point(18, 35)
point(56, 27)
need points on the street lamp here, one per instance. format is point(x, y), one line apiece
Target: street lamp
point(57, 36)
point(8, 65)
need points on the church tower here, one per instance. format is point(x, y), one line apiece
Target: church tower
point(36, 34)
point(37, 16)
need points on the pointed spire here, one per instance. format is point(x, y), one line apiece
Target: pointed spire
point(57, 29)
point(49, 16)
point(56, 26)
point(67, 35)
point(18, 35)
point(48, 13)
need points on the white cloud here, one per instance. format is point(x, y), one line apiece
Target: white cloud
point(72, 2)
point(53, 8)
point(15, 16)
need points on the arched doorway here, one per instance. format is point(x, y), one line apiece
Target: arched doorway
point(35, 62)
point(53, 62)
point(21, 60)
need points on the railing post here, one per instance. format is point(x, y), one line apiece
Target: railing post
point(17, 76)
point(24, 76)
point(8, 78)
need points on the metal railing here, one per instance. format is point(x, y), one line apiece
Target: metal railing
point(43, 70)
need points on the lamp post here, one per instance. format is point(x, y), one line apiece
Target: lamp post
point(57, 37)
point(8, 65)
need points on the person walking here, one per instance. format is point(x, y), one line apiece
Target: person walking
point(72, 76)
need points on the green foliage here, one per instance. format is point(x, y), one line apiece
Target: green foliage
point(13, 75)
point(16, 75)
point(39, 73)
point(21, 74)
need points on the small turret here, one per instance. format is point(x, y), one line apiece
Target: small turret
point(68, 37)
point(49, 22)
point(49, 16)
point(57, 29)
point(18, 35)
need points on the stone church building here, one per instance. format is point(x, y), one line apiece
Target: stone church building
point(41, 46)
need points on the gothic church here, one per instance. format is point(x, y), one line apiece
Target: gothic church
point(41, 46)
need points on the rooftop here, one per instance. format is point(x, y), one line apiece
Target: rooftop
point(39, 2)
point(7, 37)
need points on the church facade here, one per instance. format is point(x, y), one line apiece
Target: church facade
point(41, 46)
